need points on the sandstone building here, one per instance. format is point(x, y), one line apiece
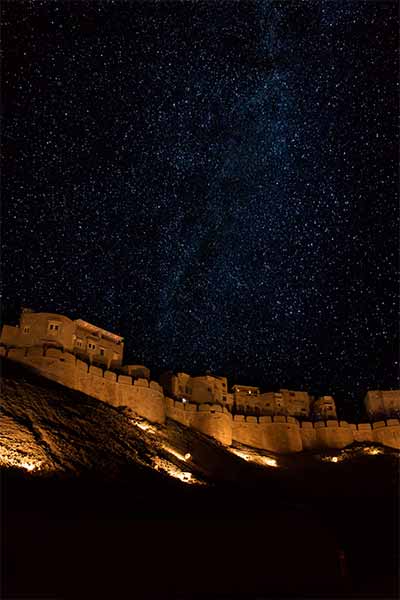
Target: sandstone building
point(380, 403)
point(199, 389)
point(324, 408)
point(53, 330)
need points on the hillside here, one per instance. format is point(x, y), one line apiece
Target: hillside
point(97, 502)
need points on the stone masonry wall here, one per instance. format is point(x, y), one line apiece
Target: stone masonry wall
point(145, 398)
point(279, 434)
point(212, 419)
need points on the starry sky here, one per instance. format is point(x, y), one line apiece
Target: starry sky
point(215, 181)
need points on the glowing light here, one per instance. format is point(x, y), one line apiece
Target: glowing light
point(176, 453)
point(144, 426)
point(259, 459)
point(271, 462)
point(373, 451)
point(20, 463)
point(333, 459)
point(160, 464)
point(29, 466)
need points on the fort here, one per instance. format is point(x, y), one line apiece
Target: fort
point(89, 359)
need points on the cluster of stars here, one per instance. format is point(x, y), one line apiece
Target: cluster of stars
point(215, 181)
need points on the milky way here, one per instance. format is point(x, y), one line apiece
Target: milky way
point(217, 182)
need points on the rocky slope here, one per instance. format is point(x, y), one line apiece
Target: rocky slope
point(100, 503)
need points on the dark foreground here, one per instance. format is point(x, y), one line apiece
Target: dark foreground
point(87, 539)
point(98, 522)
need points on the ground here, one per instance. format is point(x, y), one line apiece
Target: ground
point(99, 503)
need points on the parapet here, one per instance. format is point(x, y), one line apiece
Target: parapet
point(277, 433)
point(96, 371)
point(378, 424)
point(82, 366)
point(140, 381)
point(125, 380)
point(306, 425)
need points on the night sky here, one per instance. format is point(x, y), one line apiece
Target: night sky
point(215, 181)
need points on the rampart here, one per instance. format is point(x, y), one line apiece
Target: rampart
point(281, 434)
point(145, 398)
point(212, 419)
point(278, 434)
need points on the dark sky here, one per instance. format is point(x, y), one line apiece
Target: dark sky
point(216, 181)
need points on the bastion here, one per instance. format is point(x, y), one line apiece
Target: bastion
point(92, 364)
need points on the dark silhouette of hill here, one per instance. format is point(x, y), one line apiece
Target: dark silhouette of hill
point(97, 520)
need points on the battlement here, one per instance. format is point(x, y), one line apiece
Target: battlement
point(276, 433)
point(143, 396)
point(212, 419)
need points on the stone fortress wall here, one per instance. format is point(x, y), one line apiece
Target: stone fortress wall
point(145, 397)
point(281, 434)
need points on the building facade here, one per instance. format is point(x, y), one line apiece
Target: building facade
point(136, 371)
point(297, 403)
point(324, 408)
point(382, 403)
point(77, 336)
point(211, 389)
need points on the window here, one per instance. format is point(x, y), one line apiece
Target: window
point(224, 398)
point(53, 328)
point(102, 351)
point(91, 346)
point(79, 342)
point(27, 329)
